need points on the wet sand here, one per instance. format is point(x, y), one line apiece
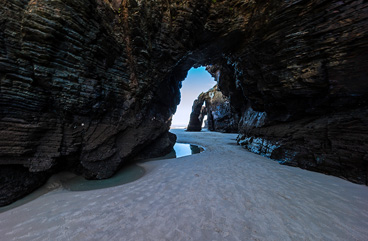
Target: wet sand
point(223, 193)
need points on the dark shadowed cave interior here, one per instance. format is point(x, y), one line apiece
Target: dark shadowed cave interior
point(90, 86)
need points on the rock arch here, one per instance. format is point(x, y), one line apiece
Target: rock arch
point(86, 84)
point(221, 116)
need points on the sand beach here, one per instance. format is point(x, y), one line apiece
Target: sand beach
point(223, 193)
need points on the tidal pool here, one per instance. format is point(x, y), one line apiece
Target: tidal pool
point(125, 175)
point(179, 150)
point(182, 149)
point(72, 182)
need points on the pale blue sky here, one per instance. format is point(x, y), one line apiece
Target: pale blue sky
point(197, 81)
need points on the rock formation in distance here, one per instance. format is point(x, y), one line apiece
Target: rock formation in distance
point(221, 116)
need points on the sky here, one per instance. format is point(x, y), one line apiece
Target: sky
point(197, 81)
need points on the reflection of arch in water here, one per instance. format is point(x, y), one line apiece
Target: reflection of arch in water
point(195, 149)
point(179, 150)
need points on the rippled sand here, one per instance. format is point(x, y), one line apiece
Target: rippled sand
point(224, 193)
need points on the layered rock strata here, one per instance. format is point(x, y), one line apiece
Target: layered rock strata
point(335, 143)
point(88, 84)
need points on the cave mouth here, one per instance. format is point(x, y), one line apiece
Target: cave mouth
point(198, 81)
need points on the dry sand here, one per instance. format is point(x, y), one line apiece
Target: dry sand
point(224, 193)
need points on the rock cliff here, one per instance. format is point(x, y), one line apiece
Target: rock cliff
point(87, 84)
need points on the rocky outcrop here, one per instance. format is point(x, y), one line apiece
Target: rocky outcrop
point(197, 114)
point(86, 84)
point(335, 143)
point(303, 85)
point(160, 147)
point(221, 116)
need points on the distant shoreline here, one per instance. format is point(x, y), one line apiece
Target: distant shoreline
point(178, 127)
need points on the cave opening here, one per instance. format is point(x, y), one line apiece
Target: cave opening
point(198, 81)
point(96, 85)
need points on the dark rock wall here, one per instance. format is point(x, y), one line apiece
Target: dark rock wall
point(335, 143)
point(306, 83)
point(87, 84)
point(16, 181)
point(81, 80)
point(221, 116)
point(302, 71)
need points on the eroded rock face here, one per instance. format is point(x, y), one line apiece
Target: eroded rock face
point(160, 147)
point(335, 143)
point(16, 181)
point(221, 116)
point(304, 87)
point(197, 114)
point(86, 84)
